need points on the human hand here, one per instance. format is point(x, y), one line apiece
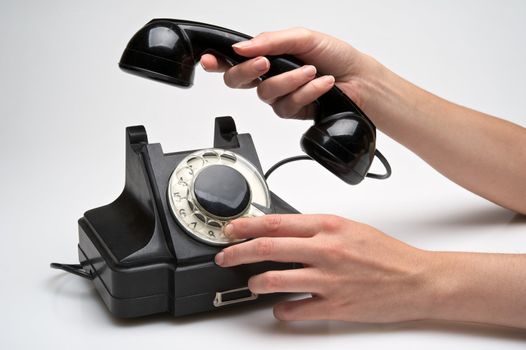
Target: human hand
point(354, 272)
point(291, 94)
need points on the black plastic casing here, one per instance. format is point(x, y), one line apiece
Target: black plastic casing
point(142, 261)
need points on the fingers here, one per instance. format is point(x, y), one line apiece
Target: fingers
point(294, 41)
point(304, 309)
point(292, 104)
point(245, 74)
point(242, 75)
point(211, 63)
point(286, 281)
point(276, 225)
point(280, 249)
point(282, 84)
point(291, 94)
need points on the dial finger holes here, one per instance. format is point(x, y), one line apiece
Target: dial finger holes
point(185, 174)
point(195, 163)
point(179, 191)
point(200, 216)
point(211, 157)
point(214, 223)
point(228, 157)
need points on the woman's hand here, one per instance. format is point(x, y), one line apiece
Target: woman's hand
point(431, 127)
point(354, 272)
point(291, 94)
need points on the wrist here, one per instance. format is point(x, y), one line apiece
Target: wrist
point(428, 296)
point(476, 287)
point(439, 286)
point(364, 81)
point(438, 290)
point(382, 92)
point(379, 93)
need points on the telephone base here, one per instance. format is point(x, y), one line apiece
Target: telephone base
point(141, 259)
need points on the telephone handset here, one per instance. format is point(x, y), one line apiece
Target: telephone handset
point(342, 138)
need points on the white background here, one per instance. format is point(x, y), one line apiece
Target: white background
point(64, 105)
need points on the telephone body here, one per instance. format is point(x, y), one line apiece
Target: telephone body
point(143, 259)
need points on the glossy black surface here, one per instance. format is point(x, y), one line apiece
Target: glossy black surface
point(343, 144)
point(222, 191)
point(168, 49)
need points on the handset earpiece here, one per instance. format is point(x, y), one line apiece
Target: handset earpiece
point(342, 138)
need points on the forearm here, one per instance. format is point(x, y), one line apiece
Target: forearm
point(482, 153)
point(478, 287)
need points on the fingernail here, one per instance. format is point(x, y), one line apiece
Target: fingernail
point(242, 44)
point(309, 71)
point(219, 258)
point(327, 79)
point(228, 230)
point(261, 64)
point(202, 65)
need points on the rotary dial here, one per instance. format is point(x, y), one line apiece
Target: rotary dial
point(211, 187)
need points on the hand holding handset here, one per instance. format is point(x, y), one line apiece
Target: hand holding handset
point(342, 138)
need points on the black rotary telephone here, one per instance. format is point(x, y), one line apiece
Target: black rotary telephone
point(152, 249)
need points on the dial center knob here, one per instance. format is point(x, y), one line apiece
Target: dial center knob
point(222, 191)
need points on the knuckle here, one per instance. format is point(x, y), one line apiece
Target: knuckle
point(230, 255)
point(266, 282)
point(303, 34)
point(263, 36)
point(264, 247)
point(332, 222)
point(284, 109)
point(295, 101)
point(333, 252)
point(264, 93)
point(272, 281)
point(272, 223)
point(227, 78)
point(334, 308)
